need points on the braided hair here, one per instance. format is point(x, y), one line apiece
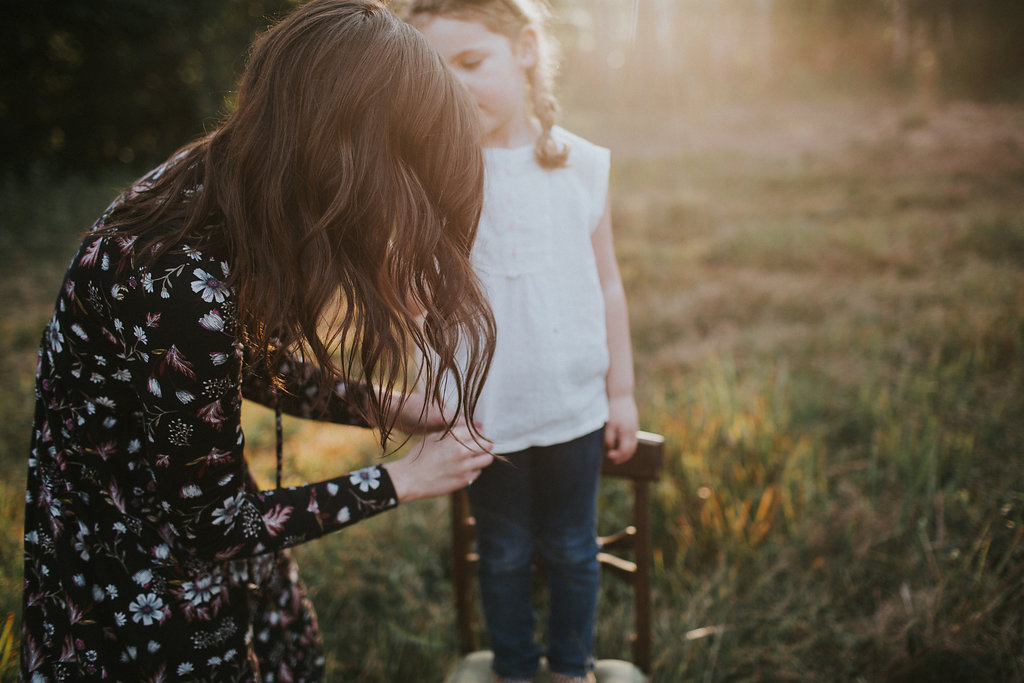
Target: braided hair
point(509, 18)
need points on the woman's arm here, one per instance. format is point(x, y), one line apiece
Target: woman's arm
point(300, 395)
point(623, 421)
point(186, 366)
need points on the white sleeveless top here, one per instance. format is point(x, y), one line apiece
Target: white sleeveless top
point(534, 255)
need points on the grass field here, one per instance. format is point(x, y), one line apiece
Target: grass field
point(827, 312)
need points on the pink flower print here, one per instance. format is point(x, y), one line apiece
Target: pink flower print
point(153, 319)
point(275, 519)
point(177, 361)
point(208, 287)
point(92, 252)
point(217, 456)
point(106, 449)
point(212, 414)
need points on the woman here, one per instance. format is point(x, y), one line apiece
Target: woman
point(320, 235)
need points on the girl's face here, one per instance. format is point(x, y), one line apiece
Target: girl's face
point(493, 69)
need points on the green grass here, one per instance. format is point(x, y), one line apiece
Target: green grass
point(829, 333)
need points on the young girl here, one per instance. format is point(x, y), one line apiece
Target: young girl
point(561, 387)
point(327, 218)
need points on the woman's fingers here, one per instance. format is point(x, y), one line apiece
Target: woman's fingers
point(439, 465)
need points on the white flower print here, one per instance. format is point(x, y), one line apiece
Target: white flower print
point(147, 282)
point(208, 287)
point(202, 590)
point(154, 387)
point(184, 396)
point(191, 491)
point(366, 478)
point(344, 515)
point(143, 577)
point(123, 375)
point(147, 608)
point(54, 336)
point(218, 358)
point(185, 668)
point(120, 618)
point(140, 334)
point(212, 321)
point(232, 507)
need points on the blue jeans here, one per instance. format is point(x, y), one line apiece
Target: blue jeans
point(542, 503)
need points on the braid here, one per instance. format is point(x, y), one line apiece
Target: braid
point(549, 152)
point(508, 18)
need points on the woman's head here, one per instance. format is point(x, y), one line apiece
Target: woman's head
point(346, 187)
point(523, 24)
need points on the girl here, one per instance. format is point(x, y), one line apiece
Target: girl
point(561, 387)
point(325, 225)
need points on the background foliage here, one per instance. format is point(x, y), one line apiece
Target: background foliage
point(98, 83)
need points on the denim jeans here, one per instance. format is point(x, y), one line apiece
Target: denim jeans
point(540, 504)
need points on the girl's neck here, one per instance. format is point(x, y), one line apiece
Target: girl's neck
point(521, 133)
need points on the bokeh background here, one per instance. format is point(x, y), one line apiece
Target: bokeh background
point(818, 216)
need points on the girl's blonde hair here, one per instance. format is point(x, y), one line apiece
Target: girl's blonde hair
point(509, 18)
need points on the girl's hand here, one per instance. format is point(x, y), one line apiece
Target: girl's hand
point(438, 465)
point(620, 432)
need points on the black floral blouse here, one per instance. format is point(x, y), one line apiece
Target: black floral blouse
point(150, 554)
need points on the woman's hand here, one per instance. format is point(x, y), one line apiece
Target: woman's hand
point(620, 432)
point(439, 464)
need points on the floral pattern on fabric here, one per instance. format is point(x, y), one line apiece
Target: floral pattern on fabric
point(150, 553)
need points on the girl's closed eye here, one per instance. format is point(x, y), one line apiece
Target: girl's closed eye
point(469, 62)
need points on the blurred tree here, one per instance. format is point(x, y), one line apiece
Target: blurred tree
point(94, 83)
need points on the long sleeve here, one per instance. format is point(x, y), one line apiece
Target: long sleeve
point(177, 331)
point(300, 395)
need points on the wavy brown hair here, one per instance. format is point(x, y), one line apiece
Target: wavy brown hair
point(508, 18)
point(345, 189)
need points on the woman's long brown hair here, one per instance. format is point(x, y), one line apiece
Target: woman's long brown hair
point(345, 190)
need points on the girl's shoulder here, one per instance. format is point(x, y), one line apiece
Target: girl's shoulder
point(580, 145)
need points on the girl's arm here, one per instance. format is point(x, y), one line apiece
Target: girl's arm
point(623, 421)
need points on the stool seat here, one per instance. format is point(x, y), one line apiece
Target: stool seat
point(476, 668)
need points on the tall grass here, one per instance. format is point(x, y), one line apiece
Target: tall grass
point(831, 338)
